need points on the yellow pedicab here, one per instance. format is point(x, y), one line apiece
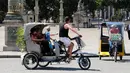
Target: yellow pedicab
point(116, 39)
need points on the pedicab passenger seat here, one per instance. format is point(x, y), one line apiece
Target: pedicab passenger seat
point(105, 43)
point(104, 39)
point(44, 51)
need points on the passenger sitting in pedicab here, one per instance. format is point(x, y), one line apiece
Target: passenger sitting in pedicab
point(48, 36)
point(113, 30)
point(39, 38)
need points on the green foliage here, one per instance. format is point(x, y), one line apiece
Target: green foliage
point(20, 42)
point(99, 3)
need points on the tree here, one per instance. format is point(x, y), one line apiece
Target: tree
point(50, 8)
point(91, 6)
point(3, 5)
point(3, 9)
point(99, 3)
point(70, 6)
point(29, 4)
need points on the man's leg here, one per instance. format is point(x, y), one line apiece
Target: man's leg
point(70, 48)
point(110, 47)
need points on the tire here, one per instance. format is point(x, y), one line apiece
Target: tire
point(100, 57)
point(43, 64)
point(120, 57)
point(115, 56)
point(29, 59)
point(84, 63)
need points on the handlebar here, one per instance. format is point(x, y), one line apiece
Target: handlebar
point(77, 37)
point(78, 40)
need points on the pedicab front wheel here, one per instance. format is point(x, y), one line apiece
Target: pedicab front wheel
point(84, 63)
point(115, 55)
point(30, 61)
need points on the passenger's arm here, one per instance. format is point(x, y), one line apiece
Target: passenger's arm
point(51, 38)
point(36, 40)
point(53, 34)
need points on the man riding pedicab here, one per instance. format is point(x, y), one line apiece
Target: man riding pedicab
point(113, 30)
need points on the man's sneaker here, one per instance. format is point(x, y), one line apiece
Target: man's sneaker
point(68, 60)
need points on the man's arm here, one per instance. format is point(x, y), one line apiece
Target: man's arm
point(67, 26)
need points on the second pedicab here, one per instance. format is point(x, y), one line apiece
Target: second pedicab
point(112, 44)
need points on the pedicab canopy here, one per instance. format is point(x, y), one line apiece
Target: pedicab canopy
point(119, 25)
point(28, 29)
point(115, 23)
point(29, 26)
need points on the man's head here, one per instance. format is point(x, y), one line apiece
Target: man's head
point(113, 26)
point(67, 19)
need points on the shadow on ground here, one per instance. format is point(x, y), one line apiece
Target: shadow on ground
point(64, 69)
point(124, 61)
point(119, 61)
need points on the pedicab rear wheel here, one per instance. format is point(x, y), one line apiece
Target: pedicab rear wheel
point(30, 61)
point(84, 63)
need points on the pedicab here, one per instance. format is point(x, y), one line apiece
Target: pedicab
point(34, 58)
point(117, 40)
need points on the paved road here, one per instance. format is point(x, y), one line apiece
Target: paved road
point(107, 65)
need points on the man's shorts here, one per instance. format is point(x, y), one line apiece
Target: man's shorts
point(65, 40)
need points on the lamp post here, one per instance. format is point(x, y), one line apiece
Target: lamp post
point(61, 11)
point(36, 8)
